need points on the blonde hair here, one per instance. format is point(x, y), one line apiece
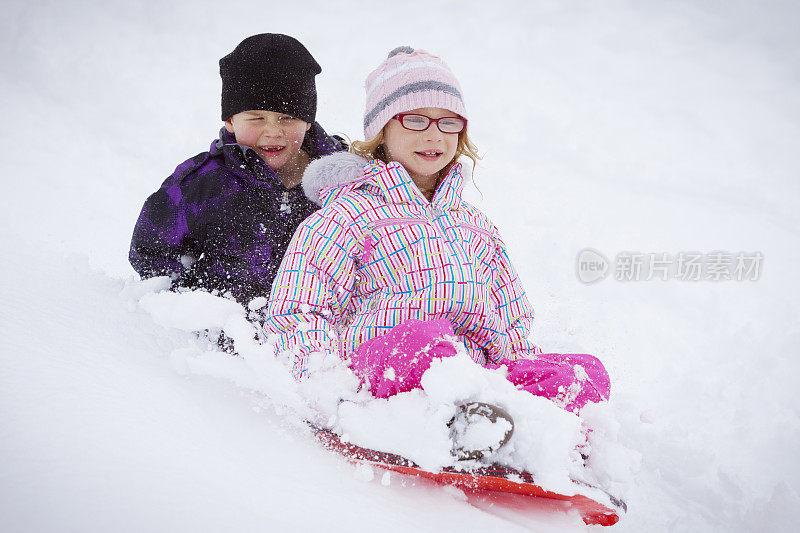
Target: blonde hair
point(375, 149)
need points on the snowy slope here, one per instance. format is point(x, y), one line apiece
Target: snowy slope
point(626, 126)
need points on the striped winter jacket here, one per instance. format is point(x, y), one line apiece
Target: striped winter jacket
point(378, 253)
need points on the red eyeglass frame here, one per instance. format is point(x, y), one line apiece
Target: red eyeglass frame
point(399, 118)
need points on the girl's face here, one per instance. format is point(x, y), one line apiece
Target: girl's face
point(422, 153)
point(276, 137)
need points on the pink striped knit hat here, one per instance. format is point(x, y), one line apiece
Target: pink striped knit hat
point(409, 79)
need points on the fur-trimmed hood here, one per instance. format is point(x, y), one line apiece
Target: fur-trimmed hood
point(329, 172)
point(330, 177)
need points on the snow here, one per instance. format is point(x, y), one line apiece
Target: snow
point(619, 127)
point(190, 311)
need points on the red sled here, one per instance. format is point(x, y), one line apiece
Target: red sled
point(595, 505)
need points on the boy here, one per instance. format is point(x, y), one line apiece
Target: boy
point(223, 219)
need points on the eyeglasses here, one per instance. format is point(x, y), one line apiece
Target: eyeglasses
point(414, 122)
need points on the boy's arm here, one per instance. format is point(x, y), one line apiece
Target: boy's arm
point(161, 241)
point(160, 235)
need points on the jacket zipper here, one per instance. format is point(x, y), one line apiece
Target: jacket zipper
point(433, 210)
point(477, 229)
point(435, 221)
point(372, 226)
point(395, 221)
point(285, 205)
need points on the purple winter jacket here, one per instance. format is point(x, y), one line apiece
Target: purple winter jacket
point(223, 219)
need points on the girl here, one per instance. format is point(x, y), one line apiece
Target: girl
point(396, 266)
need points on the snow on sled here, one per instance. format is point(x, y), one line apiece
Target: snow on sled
point(595, 505)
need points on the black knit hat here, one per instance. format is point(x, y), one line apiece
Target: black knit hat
point(271, 72)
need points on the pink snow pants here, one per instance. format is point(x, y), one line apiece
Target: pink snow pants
point(395, 361)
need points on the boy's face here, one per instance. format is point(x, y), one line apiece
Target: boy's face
point(276, 137)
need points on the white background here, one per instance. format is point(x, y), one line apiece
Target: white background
point(621, 126)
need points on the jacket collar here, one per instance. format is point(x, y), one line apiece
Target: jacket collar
point(333, 176)
point(398, 187)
